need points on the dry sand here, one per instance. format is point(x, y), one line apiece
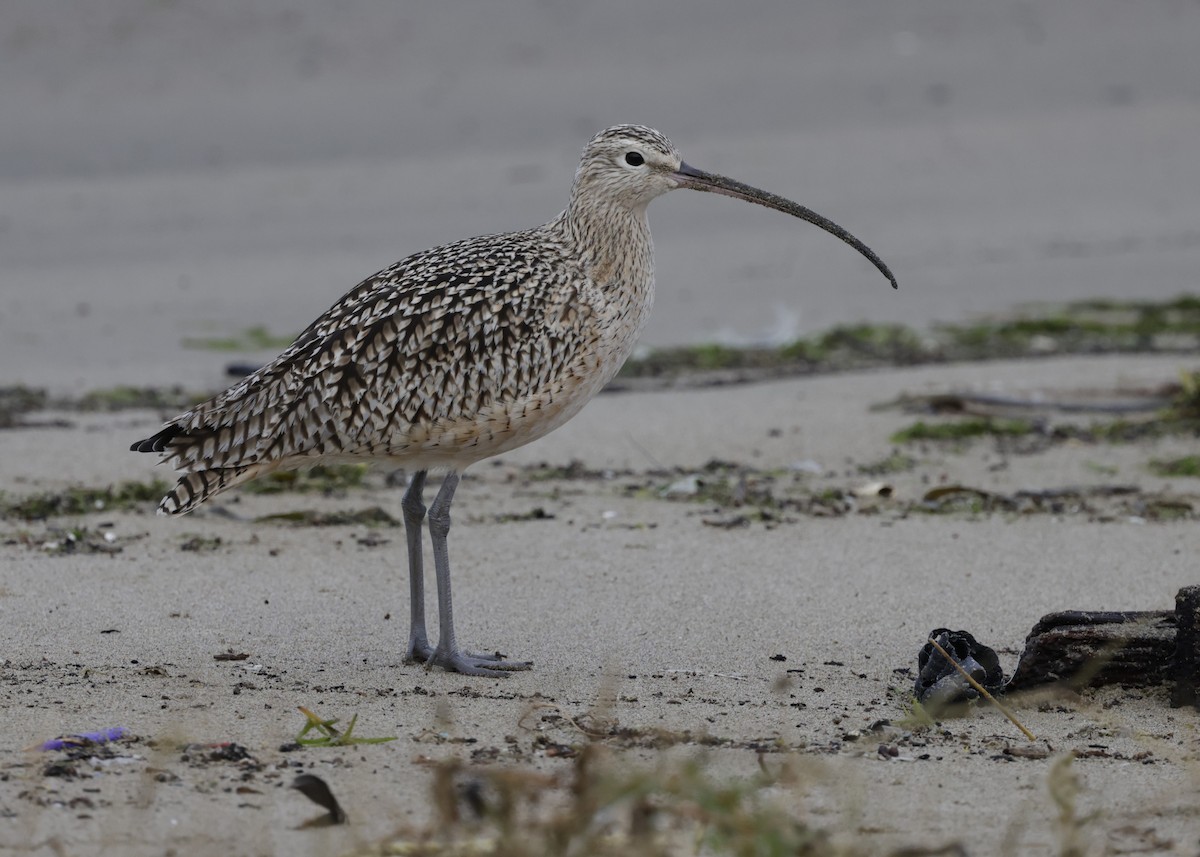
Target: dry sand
point(620, 592)
point(182, 170)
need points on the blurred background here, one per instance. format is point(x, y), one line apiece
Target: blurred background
point(181, 168)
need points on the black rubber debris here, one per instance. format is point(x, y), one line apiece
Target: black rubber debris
point(937, 679)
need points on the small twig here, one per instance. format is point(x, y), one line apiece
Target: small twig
point(563, 714)
point(982, 690)
point(709, 675)
point(654, 461)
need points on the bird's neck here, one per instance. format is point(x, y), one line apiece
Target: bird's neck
point(612, 242)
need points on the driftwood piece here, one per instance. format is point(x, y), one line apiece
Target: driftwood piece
point(1187, 647)
point(1093, 648)
point(1082, 648)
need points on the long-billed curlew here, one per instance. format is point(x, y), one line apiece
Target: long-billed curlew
point(456, 354)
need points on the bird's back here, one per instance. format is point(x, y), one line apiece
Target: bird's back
point(445, 358)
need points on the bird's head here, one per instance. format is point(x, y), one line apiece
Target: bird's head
point(626, 166)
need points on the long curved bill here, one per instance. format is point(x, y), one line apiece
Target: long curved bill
point(690, 177)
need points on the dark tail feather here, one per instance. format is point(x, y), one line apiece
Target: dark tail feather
point(194, 488)
point(158, 442)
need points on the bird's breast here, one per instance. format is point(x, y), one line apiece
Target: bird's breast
point(604, 321)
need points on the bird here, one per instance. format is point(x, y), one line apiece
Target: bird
point(457, 354)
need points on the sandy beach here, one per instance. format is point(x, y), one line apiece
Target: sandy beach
point(187, 172)
point(613, 589)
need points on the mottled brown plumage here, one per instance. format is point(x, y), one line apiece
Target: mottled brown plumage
point(456, 354)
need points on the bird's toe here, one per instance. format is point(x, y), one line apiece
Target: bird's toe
point(469, 663)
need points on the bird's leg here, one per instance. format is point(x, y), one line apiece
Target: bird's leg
point(447, 654)
point(414, 514)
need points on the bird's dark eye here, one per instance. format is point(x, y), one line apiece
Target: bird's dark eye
point(634, 159)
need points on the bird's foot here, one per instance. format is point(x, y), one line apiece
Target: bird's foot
point(470, 663)
point(419, 651)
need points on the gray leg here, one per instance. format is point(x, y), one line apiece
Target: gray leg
point(447, 653)
point(414, 514)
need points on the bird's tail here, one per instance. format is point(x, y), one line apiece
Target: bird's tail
point(195, 487)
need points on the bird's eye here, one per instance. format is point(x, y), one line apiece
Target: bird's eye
point(634, 159)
